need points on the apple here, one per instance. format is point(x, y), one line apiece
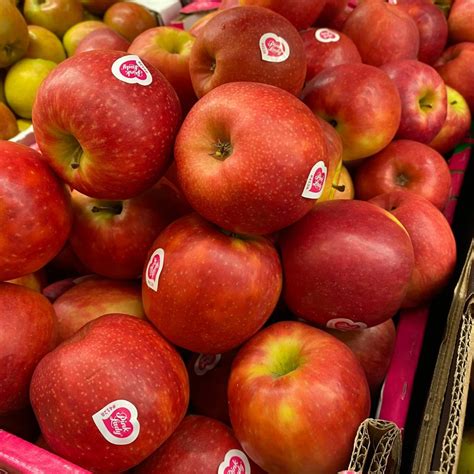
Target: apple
point(405, 165)
point(56, 16)
point(269, 49)
point(466, 456)
point(116, 153)
point(35, 281)
point(23, 124)
point(288, 387)
point(208, 290)
point(423, 95)
point(345, 186)
point(325, 48)
point(129, 19)
point(102, 38)
point(28, 330)
point(456, 67)
point(197, 26)
point(362, 104)
point(78, 32)
point(44, 45)
point(97, 7)
point(433, 244)
point(94, 377)
point(334, 14)
point(460, 21)
point(456, 125)
point(347, 265)
point(373, 348)
point(8, 125)
point(233, 158)
point(382, 32)
point(37, 213)
point(13, 34)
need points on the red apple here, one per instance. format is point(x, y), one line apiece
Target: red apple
point(204, 20)
point(208, 290)
point(362, 104)
point(120, 126)
point(93, 297)
point(36, 213)
point(35, 281)
point(433, 244)
point(325, 48)
point(423, 95)
point(456, 67)
point(405, 165)
point(168, 49)
point(382, 32)
point(456, 125)
point(373, 348)
point(334, 14)
point(124, 383)
point(347, 265)
point(269, 50)
point(28, 333)
point(251, 158)
point(461, 21)
point(289, 386)
point(102, 38)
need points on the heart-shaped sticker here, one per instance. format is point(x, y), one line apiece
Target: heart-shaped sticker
point(206, 362)
point(154, 268)
point(316, 179)
point(235, 462)
point(325, 35)
point(345, 324)
point(130, 69)
point(274, 49)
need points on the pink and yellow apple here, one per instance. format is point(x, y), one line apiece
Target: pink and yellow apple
point(78, 32)
point(44, 45)
point(102, 38)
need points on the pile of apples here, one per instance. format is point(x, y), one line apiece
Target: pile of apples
point(208, 294)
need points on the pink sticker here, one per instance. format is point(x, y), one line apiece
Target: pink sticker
point(130, 69)
point(235, 462)
point(274, 49)
point(344, 324)
point(315, 182)
point(118, 422)
point(325, 35)
point(206, 362)
point(154, 268)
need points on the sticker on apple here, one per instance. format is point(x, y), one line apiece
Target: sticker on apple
point(345, 324)
point(130, 69)
point(325, 35)
point(154, 268)
point(118, 422)
point(206, 362)
point(315, 182)
point(235, 462)
point(274, 48)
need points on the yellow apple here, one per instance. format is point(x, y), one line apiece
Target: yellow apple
point(23, 124)
point(44, 45)
point(345, 186)
point(75, 34)
point(13, 34)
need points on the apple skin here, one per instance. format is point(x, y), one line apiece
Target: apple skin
point(34, 281)
point(225, 51)
point(457, 123)
point(382, 32)
point(362, 103)
point(249, 185)
point(14, 34)
point(460, 21)
point(102, 38)
point(39, 215)
point(116, 155)
point(405, 165)
point(28, 333)
point(334, 14)
point(433, 244)
point(97, 7)
point(105, 362)
point(168, 49)
point(289, 384)
point(323, 54)
point(232, 286)
point(44, 45)
point(423, 95)
point(345, 186)
point(78, 32)
point(8, 124)
point(373, 348)
point(456, 67)
point(353, 246)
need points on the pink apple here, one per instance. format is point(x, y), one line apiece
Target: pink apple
point(102, 38)
point(461, 20)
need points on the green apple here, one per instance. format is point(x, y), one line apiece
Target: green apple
point(75, 34)
point(23, 81)
point(466, 458)
point(13, 34)
point(44, 45)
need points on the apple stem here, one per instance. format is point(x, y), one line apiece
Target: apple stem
point(339, 187)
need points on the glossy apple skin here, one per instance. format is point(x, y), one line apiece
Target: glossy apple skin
point(363, 103)
point(92, 298)
point(320, 54)
point(232, 286)
point(460, 21)
point(14, 38)
point(300, 411)
point(102, 38)
point(225, 51)
point(38, 217)
point(122, 152)
point(8, 124)
point(423, 95)
point(256, 189)
point(382, 32)
point(405, 165)
point(106, 361)
point(457, 123)
point(346, 259)
point(28, 333)
point(44, 45)
point(456, 67)
point(433, 244)
point(78, 32)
